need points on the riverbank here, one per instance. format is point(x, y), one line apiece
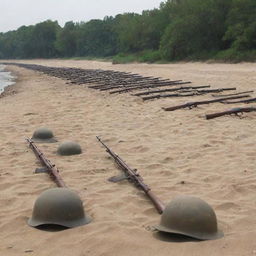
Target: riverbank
point(176, 153)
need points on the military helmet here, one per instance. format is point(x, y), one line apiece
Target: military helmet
point(59, 206)
point(190, 216)
point(69, 148)
point(43, 135)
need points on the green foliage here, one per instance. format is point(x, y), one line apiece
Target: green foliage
point(233, 55)
point(150, 56)
point(140, 32)
point(177, 30)
point(66, 40)
point(122, 58)
point(127, 31)
point(96, 38)
point(42, 39)
point(196, 25)
point(241, 21)
point(30, 42)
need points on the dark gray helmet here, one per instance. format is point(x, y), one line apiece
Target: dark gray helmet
point(43, 135)
point(59, 206)
point(69, 148)
point(190, 216)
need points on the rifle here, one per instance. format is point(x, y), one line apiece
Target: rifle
point(156, 85)
point(185, 93)
point(217, 90)
point(240, 101)
point(191, 105)
point(170, 90)
point(131, 83)
point(232, 94)
point(109, 85)
point(229, 112)
point(190, 92)
point(48, 167)
point(132, 176)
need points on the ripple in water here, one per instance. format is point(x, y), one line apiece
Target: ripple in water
point(5, 78)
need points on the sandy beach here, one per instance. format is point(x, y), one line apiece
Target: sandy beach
point(177, 153)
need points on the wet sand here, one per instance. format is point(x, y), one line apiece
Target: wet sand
point(175, 152)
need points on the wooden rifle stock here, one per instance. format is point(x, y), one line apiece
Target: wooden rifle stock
point(50, 168)
point(230, 112)
point(135, 178)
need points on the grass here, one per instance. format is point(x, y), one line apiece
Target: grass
point(235, 56)
point(154, 56)
point(90, 58)
point(148, 56)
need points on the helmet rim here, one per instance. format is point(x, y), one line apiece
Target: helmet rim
point(69, 224)
point(201, 236)
point(50, 140)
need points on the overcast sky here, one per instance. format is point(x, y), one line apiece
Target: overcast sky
point(15, 13)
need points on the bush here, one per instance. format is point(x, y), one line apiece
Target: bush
point(122, 58)
point(150, 56)
point(232, 55)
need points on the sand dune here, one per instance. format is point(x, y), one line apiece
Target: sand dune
point(176, 153)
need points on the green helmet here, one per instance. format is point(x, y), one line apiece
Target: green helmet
point(59, 206)
point(190, 216)
point(43, 135)
point(69, 148)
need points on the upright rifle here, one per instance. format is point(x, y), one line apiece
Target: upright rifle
point(235, 111)
point(132, 176)
point(48, 167)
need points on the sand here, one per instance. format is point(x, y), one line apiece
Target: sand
point(176, 152)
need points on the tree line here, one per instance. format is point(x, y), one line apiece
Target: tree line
point(177, 30)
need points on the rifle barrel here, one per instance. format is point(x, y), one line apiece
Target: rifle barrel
point(51, 169)
point(134, 177)
point(196, 103)
point(229, 112)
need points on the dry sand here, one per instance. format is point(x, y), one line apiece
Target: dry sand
point(176, 152)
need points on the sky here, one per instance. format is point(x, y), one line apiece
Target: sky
point(16, 13)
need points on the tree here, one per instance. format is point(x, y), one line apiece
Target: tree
point(96, 38)
point(178, 29)
point(66, 41)
point(43, 37)
point(196, 26)
point(241, 22)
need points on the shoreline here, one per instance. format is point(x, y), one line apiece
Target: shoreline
point(176, 153)
point(8, 89)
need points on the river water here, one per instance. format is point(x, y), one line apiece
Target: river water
point(5, 78)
